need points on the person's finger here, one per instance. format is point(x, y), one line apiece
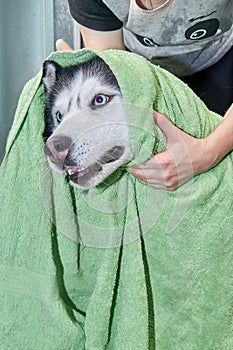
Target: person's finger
point(62, 45)
point(156, 163)
point(157, 185)
point(171, 132)
point(148, 177)
point(141, 174)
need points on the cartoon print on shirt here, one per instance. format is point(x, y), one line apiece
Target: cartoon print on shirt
point(146, 41)
point(200, 30)
point(203, 29)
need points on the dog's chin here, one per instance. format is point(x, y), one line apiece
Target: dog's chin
point(56, 166)
point(86, 178)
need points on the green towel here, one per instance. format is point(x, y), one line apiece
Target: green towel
point(123, 266)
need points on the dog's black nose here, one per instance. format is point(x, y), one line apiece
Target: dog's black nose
point(61, 143)
point(57, 147)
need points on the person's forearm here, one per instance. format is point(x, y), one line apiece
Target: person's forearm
point(96, 40)
point(102, 40)
point(220, 141)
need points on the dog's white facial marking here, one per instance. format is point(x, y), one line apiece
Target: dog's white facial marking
point(90, 138)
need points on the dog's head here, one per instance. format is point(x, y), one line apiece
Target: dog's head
point(86, 129)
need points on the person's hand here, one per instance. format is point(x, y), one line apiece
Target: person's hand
point(62, 45)
point(184, 157)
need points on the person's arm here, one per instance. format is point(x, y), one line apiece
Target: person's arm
point(96, 40)
point(220, 141)
point(99, 26)
point(185, 156)
point(102, 40)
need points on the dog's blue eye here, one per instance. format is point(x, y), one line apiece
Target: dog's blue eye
point(58, 117)
point(101, 99)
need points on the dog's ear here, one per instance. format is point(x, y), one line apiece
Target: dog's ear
point(50, 70)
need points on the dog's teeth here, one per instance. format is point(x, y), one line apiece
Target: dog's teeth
point(72, 171)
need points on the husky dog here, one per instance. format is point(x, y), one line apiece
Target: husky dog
point(86, 130)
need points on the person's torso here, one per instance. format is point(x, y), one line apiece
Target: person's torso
point(181, 36)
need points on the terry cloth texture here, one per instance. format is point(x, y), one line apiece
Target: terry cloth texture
point(124, 266)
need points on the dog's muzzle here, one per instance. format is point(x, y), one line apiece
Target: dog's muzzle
point(62, 154)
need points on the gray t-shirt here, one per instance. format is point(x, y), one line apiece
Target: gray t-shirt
point(181, 36)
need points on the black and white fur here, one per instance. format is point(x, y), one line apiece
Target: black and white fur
point(86, 129)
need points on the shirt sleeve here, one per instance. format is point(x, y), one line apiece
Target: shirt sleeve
point(94, 14)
